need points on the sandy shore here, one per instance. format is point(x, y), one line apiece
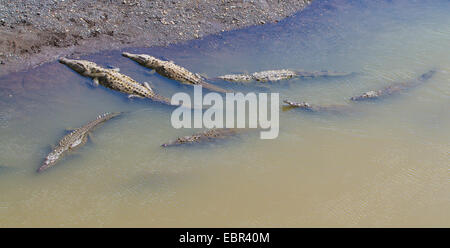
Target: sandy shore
point(33, 32)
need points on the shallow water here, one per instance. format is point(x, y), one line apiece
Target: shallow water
point(385, 164)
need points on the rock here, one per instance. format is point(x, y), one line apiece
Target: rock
point(133, 22)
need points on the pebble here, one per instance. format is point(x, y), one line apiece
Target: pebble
point(76, 19)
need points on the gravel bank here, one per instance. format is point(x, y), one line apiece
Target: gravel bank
point(36, 31)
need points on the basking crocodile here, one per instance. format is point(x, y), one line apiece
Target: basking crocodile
point(113, 79)
point(395, 88)
point(74, 139)
point(316, 108)
point(277, 75)
point(205, 136)
point(170, 70)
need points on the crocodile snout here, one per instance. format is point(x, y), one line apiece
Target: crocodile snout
point(130, 55)
point(136, 57)
point(126, 54)
point(44, 166)
point(63, 60)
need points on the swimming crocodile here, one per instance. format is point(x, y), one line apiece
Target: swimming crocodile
point(395, 88)
point(205, 136)
point(170, 70)
point(113, 79)
point(74, 139)
point(317, 108)
point(277, 75)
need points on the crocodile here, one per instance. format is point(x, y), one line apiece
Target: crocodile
point(278, 75)
point(205, 136)
point(74, 139)
point(395, 88)
point(113, 79)
point(370, 95)
point(316, 108)
point(173, 71)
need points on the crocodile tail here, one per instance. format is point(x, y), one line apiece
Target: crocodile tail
point(162, 99)
point(214, 88)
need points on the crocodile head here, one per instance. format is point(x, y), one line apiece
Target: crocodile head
point(52, 158)
point(80, 66)
point(144, 59)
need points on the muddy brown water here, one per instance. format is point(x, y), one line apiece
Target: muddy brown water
point(386, 164)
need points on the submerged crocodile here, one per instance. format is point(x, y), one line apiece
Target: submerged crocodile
point(205, 136)
point(370, 95)
point(316, 108)
point(395, 88)
point(74, 139)
point(277, 75)
point(113, 79)
point(170, 70)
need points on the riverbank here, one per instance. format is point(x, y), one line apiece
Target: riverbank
point(34, 32)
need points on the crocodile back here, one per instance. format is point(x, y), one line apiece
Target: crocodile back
point(178, 73)
point(120, 82)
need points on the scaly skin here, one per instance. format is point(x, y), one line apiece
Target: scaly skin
point(278, 75)
point(75, 139)
point(395, 88)
point(262, 76)
point(315, 108)
point(113, 79)
point(206, 136)
point(273, 75)
point(241, 78)
point(171, 70)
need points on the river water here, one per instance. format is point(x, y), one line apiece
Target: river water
point(385, 164)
